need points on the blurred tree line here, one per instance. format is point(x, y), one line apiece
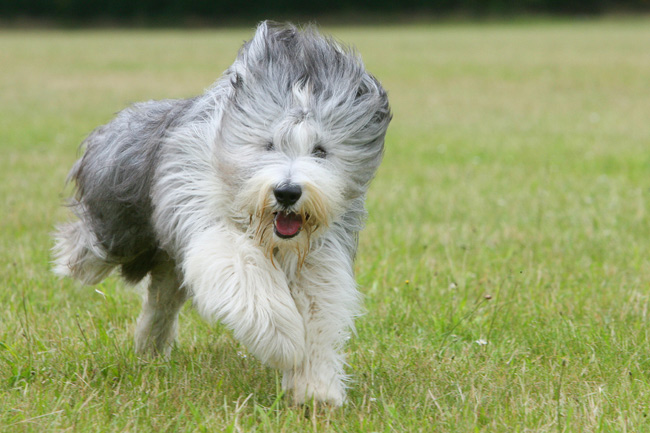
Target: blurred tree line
point(223, 9)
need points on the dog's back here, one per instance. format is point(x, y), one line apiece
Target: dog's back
point(113, 195)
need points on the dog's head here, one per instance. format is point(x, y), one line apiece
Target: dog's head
point(301, 136)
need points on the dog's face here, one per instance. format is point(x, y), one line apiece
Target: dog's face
point(301, 136)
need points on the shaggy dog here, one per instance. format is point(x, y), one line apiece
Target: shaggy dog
point(247, 199)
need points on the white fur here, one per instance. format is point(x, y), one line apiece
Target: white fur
point(236, 284)
point(80, 255)
point(326, 296)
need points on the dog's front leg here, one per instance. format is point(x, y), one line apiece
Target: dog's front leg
point(328, 301)
point(231, 280)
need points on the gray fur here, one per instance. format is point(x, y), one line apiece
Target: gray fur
point(345, 97)
point(114, 181)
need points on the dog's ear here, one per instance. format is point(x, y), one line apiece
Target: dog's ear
point(270, 38)
point(237, 81)
point(372, 96)
point(251, 53)
point(257, 48)
point(272, 41)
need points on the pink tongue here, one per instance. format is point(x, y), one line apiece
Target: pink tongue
point(287, 224)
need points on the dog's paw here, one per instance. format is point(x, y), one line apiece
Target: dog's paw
point(147, 350)
point(153, 343)
point(282, 351)
point(279, 341)
point(330, 394)
point(306, 389)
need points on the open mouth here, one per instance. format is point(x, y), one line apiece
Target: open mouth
point(287, 224)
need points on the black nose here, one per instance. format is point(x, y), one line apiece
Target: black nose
point(287, 194)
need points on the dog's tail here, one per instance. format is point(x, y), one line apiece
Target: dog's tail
point(77, 254)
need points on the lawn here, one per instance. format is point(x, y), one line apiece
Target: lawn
point(505, 263)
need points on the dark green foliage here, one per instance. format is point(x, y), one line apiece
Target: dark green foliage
point(221, 9)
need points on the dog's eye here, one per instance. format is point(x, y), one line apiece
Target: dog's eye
point(270, 146)
point(319, 152)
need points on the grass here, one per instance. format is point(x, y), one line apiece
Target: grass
point(505, 261)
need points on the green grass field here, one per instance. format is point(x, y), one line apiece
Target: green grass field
point(505, 263)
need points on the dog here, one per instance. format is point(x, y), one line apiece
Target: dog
point(247, 199)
